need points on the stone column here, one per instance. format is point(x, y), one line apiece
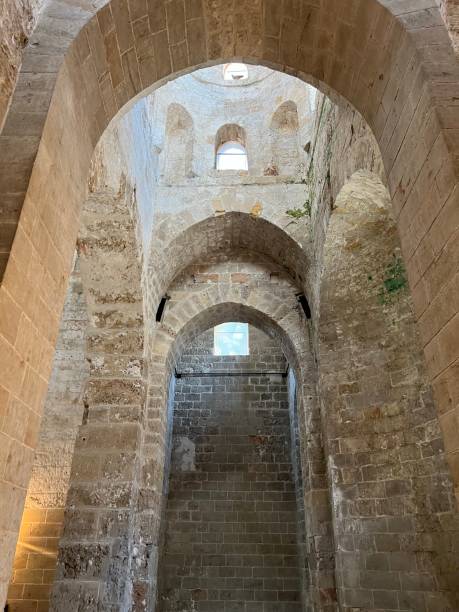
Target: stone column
point(97, 547)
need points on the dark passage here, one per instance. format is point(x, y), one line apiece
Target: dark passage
point(231, 518)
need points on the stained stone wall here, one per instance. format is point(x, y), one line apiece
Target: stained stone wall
point(125, 159)
point(202, 103)
point(231, 517)
point(297, 439)
point(388, 68)
point(17, 21)
point(450, 14)
point(342, 143)
point(118, 170)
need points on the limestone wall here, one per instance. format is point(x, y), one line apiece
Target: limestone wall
point(188, 188)
point(42, 522)
point(450, 14)
point(391, 490)
point(251, 104)
point(126, 158)
point(388, 68)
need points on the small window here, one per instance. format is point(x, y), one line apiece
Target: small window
point(232, 156)
point(235, 72)
point(231, 339)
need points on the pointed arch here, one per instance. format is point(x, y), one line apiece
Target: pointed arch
point(199, 312)
point(178, 163)
point(223, 233)
point(284, 139)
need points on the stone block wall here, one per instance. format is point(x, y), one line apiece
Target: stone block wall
point(395, 524)
point(112, 61)
point(43, 518)
point(450, 13)
point(231, 518)
point(17, 20)
point(98, 544)
point(296, 436)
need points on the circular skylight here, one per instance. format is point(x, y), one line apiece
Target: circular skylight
point(235, 72)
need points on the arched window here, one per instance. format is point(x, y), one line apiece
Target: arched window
point(235, 72)
point(232, 155)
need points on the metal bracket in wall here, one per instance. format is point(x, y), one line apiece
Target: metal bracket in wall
point(215, 374)
point(303, 300)
point(161, 307)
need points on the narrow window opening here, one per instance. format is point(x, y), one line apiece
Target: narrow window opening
point(231, 339)
point(235, 72)
point(232, 155)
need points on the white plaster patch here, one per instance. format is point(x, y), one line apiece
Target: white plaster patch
point(184, 453)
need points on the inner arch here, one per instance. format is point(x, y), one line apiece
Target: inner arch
point(247, 405)
point(226, 233)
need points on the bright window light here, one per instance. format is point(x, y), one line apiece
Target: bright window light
point(231, 339)
point(232, 156)
point(235, 72)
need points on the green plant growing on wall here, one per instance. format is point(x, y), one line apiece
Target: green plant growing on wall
point(394, 281)
point(299, 213)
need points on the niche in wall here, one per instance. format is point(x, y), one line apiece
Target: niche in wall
point(284, 139)
point(178, 162)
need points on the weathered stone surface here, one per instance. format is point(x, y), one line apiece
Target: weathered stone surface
point(389, 478)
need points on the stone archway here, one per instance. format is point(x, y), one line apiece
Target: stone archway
point(280, 319)
point(187, 242)
point(181, 323)
point(118, 55)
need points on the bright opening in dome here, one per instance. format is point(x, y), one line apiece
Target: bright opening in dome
point(235, 72)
